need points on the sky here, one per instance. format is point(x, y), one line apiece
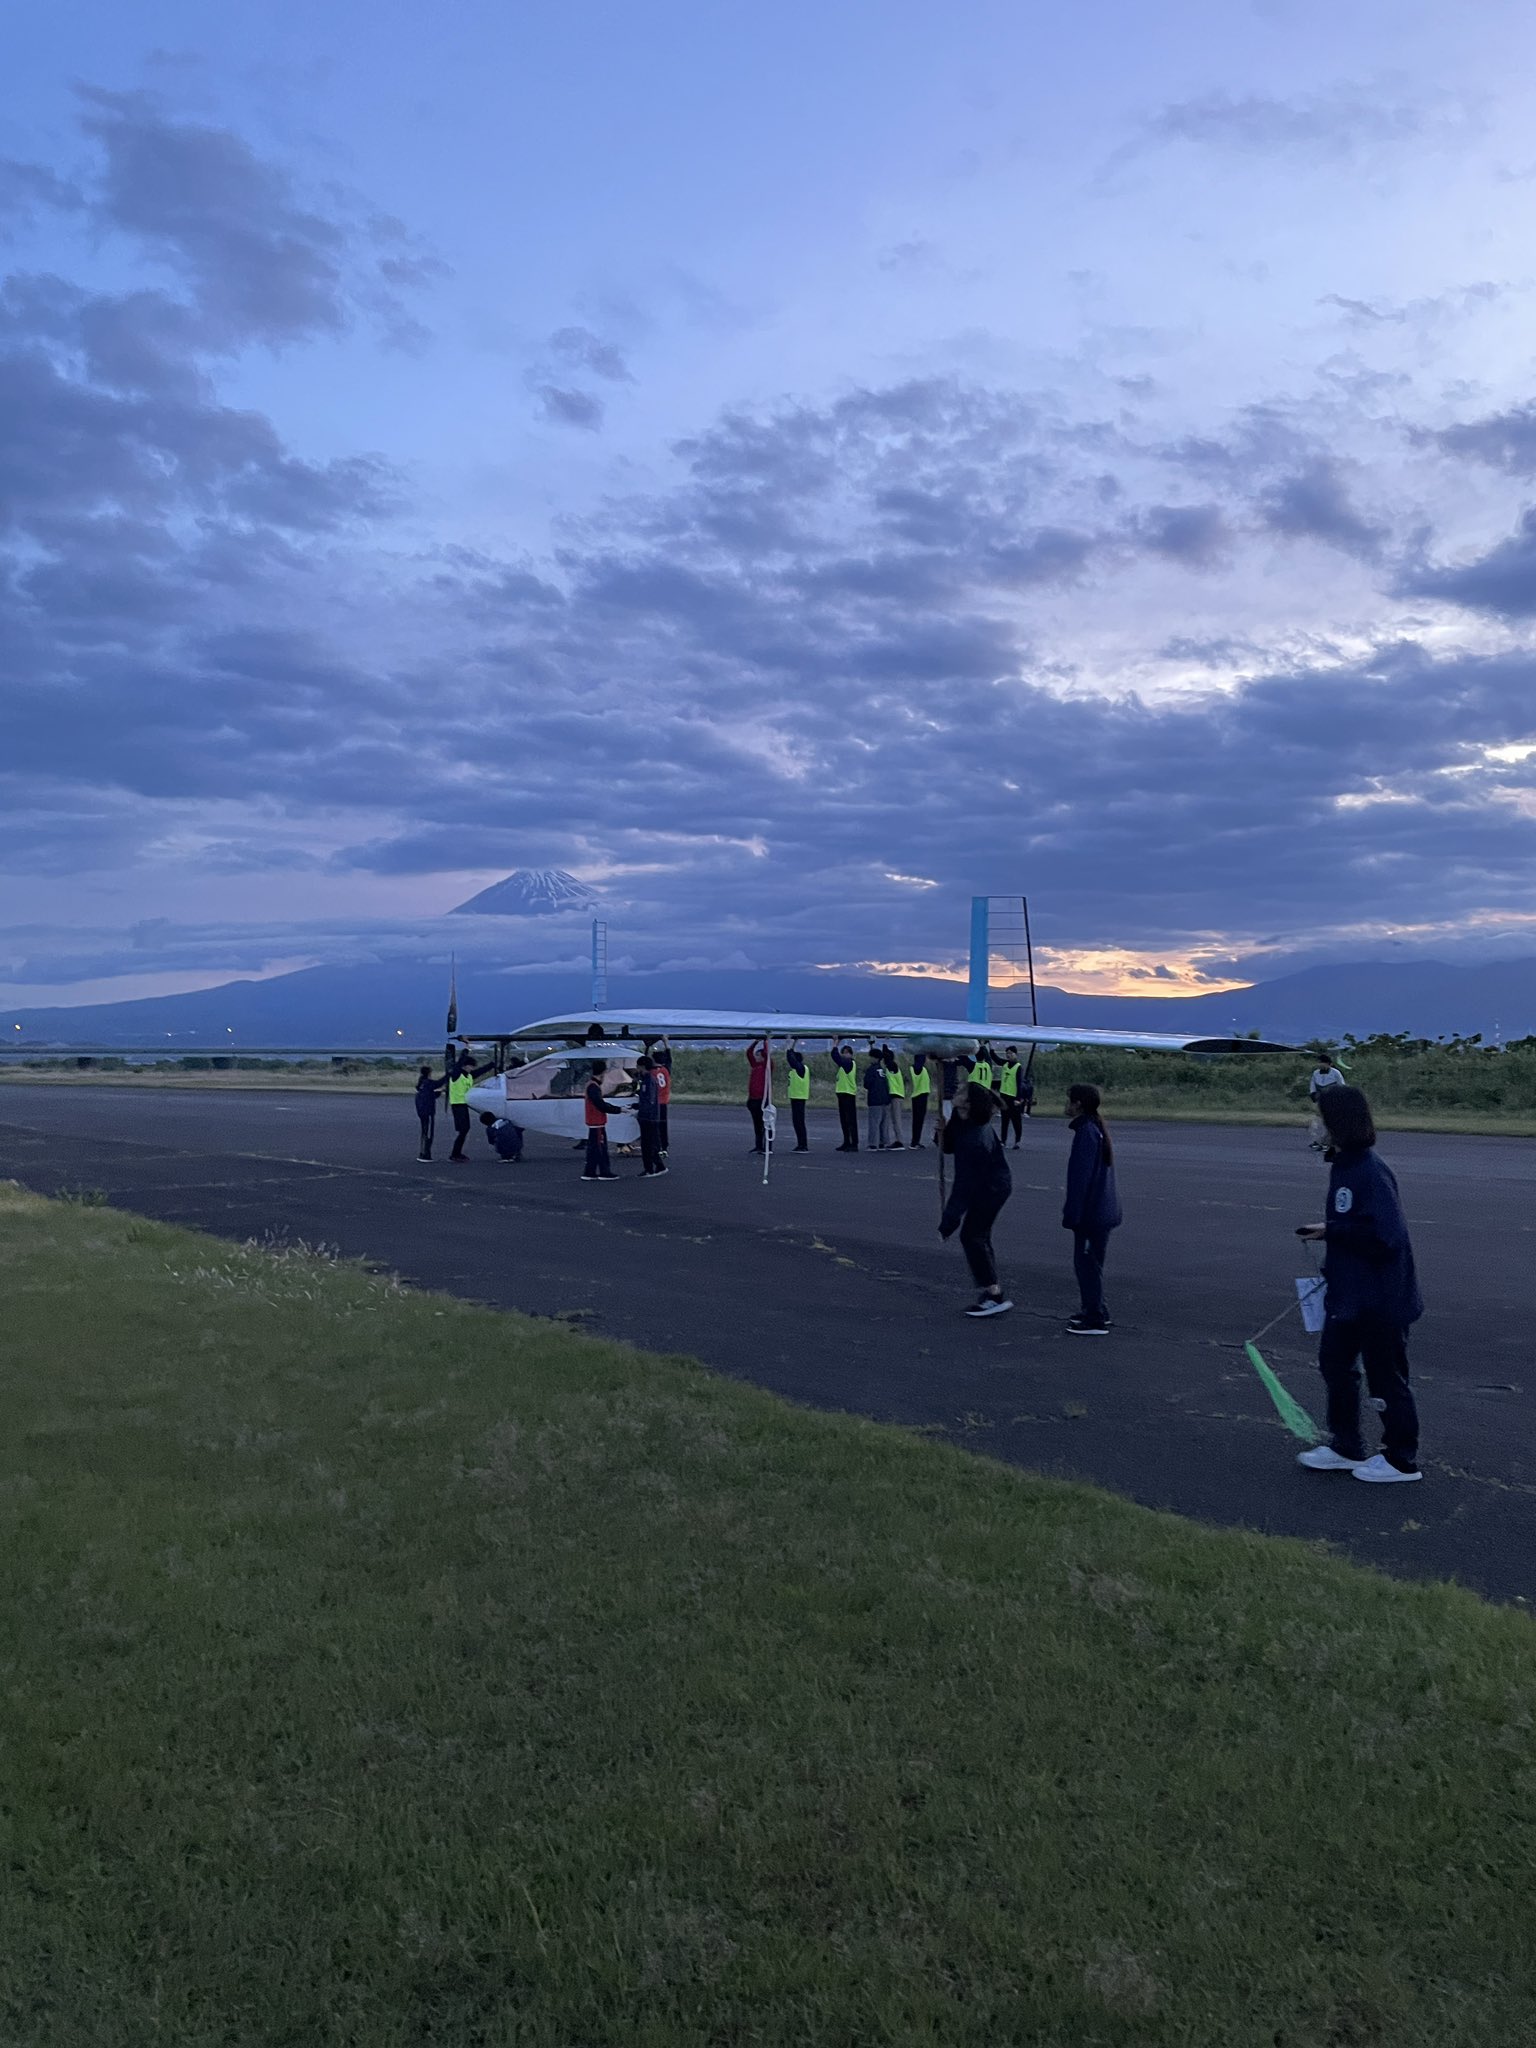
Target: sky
point(792, 468)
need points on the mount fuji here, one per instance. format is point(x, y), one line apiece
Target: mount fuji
point(529, 892)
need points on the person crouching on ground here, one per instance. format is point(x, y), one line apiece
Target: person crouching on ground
point(982, 1184)
point(598, 1110)
point(648, 1115)
point(1092, 1207)
point(1372, 1299)
point(504, 1137)
point(427, 1092)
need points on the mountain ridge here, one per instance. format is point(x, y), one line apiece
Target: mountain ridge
point(403, 1002)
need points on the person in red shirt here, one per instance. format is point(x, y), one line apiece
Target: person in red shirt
point(661, 1057)
point(758, 1066)
point(599, 1167)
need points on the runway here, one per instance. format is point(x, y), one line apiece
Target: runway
point(830, 1286)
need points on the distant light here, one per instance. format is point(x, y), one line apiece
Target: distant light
point(398, 1034)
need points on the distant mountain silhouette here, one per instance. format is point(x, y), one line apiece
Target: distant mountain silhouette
point(403, 1002)
point(528, 892)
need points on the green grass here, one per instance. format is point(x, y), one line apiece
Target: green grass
point(382, 1671)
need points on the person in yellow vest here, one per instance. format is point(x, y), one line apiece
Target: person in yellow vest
point(799, 1092)
point(846, 1088)
point(898, 1087)
point(460, 1081)
point(922, 1088)
point(1009, 1088)
point(981, 1066)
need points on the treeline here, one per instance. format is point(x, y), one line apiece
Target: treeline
point(216, 1063)
point(1397, 1072)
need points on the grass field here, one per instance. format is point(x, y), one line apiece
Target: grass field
point(384, 1671)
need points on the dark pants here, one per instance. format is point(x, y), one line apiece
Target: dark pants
point(1012, 1118)
point(976, 1242)
point(1027, 1102)
point(1383, 1349)
point(755, 1111)
point(597, 1153)
point(797, 1118)
point(919, 1117)
point(460, 1129)
point(650, 1143)
point(848, 1118)
point(1088, 1249)
point(428, 1126)
point(661, 1129)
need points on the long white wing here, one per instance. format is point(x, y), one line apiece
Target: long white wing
point(726, 1027)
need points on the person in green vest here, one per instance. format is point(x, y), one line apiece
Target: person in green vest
point(981, 1066)
point(846, 1089)
point(922, 1087)
point(463, 1077)
point(1009, 1089)
point(799, 1092)
point(898, 1086)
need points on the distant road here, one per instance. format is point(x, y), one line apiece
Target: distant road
point(831, 1287)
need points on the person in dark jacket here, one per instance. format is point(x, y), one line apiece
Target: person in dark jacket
point(504, 1137)
point(1092, 1207)
point(1372, 1300)
point(982, 1185)
point(648, 1115)
point(427, 1092)
point(877, 1093)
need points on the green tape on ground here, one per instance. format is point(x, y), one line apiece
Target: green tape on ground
point(1290, 1411)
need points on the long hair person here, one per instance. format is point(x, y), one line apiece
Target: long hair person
point(982, 1185)
point(1091, 1209)
point(1371, 1302)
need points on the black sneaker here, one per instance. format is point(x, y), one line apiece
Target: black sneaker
point(1086, 1326)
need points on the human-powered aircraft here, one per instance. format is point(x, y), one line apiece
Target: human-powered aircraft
point(546, 1092)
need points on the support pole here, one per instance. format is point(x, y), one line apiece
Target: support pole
point(981, 963)
point(770, 1114)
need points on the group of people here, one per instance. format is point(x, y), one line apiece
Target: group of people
point(453, 1085)
point(652, 1100)
point(888, 1089)
point(983, 1182)
point(1372, 1295)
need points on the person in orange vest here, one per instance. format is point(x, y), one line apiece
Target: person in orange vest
point(598, 1110)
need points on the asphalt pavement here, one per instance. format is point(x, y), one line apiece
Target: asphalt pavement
point(830, 1286)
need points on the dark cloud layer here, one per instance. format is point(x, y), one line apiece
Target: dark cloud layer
point(750, 702)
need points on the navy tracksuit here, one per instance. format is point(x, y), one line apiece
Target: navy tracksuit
point(1091, 1211)
point(1371, 1300)
point(982, 1184)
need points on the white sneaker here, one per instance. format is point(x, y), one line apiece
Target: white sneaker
point(990, 1305)
point(1324, 1458)
point(1378, 1471)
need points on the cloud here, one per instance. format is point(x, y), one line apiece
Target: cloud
point(1321, 128)
point(26, 190)
point(1502, 582)
point(564, 407)
point(1197, 535)
point(1313, 503)
point(1504, 440)
point(584, 350)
